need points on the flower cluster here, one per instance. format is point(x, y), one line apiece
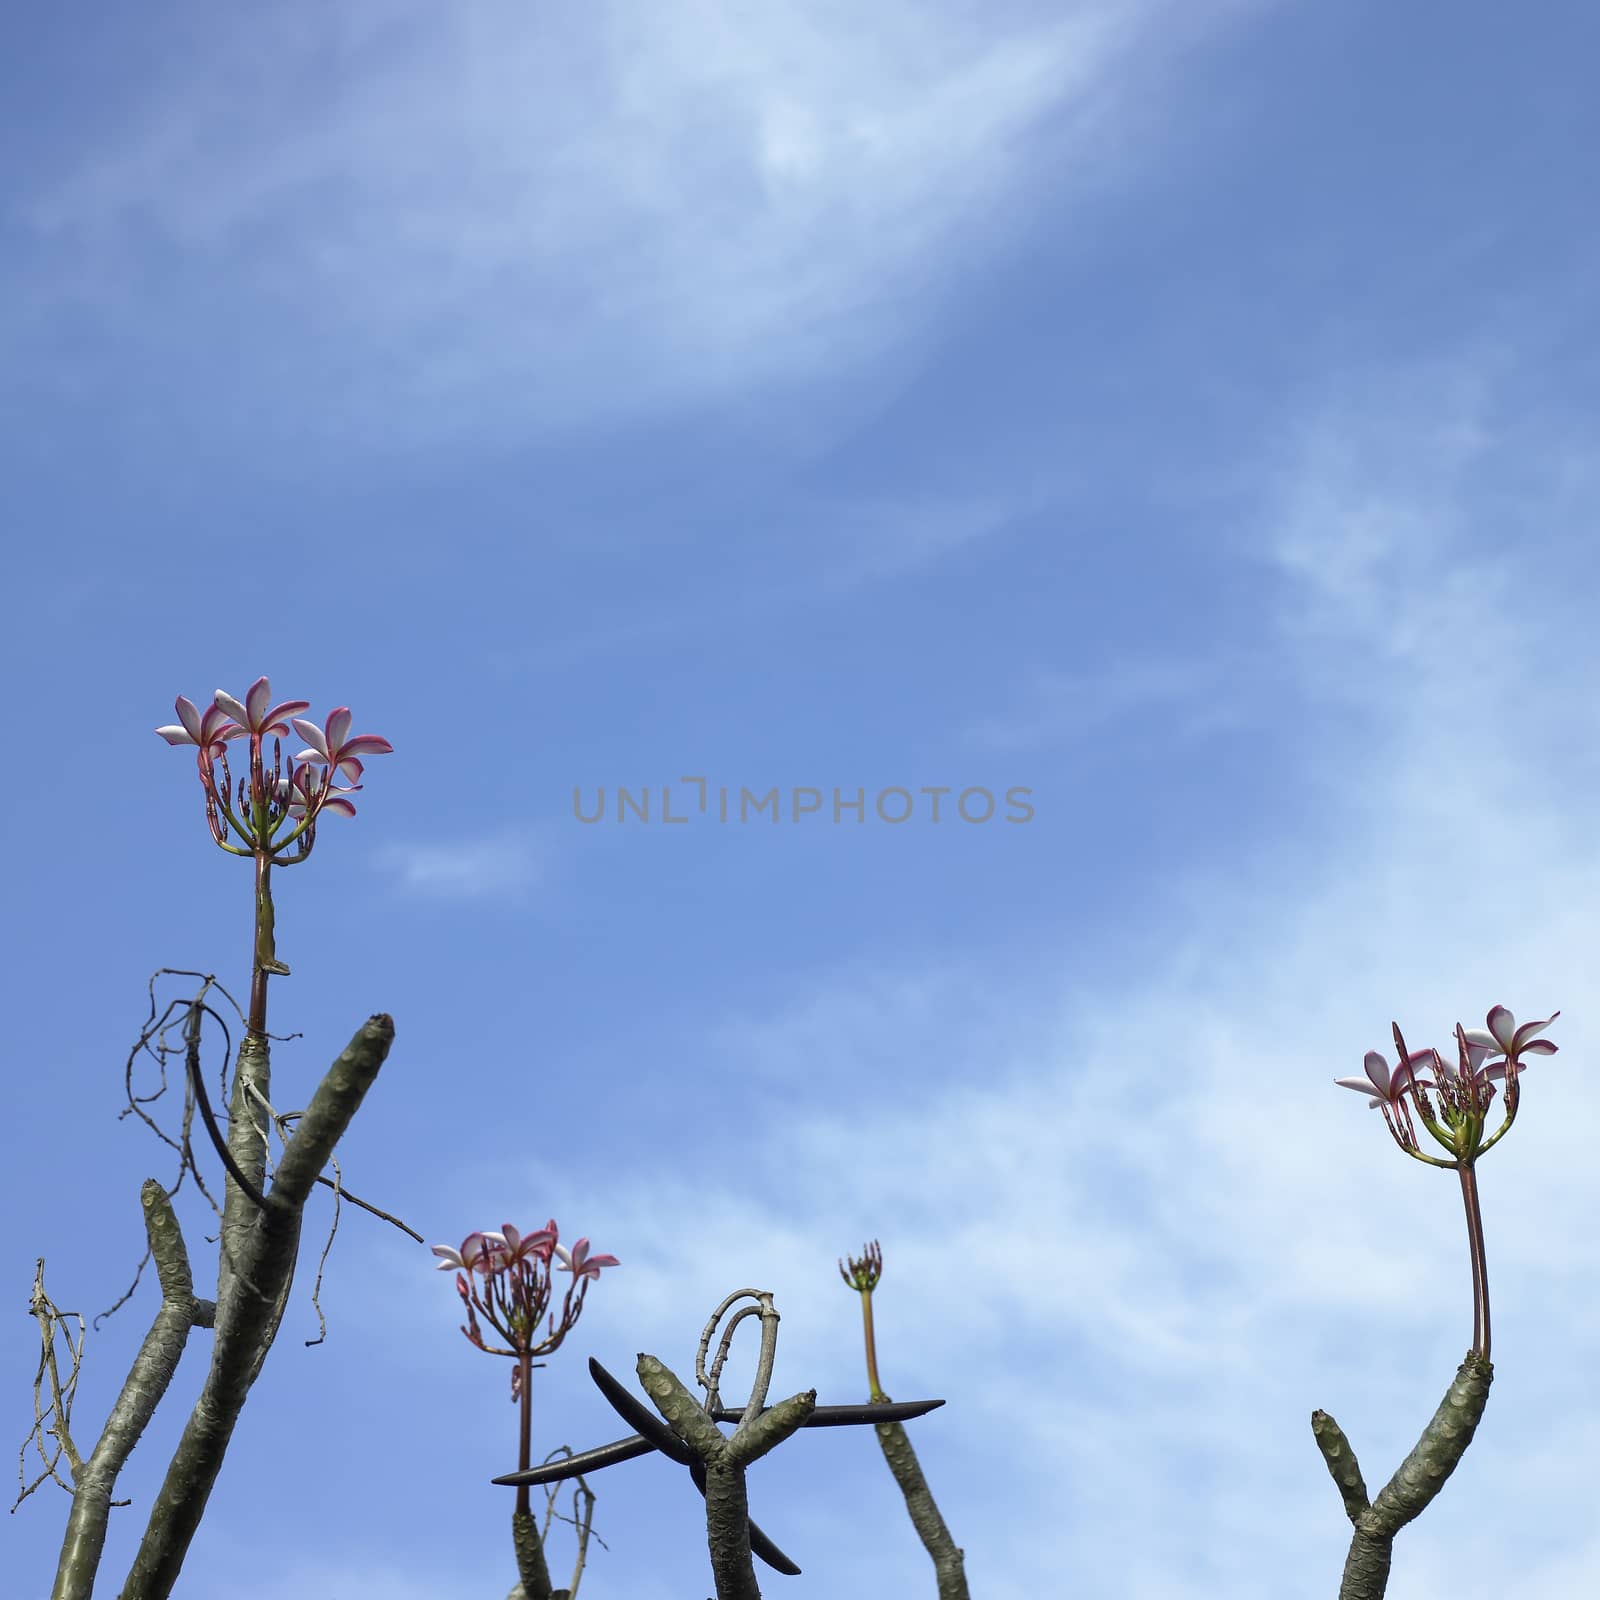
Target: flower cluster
point(864, 1274)
point(261, 804)
point(506, 1277)
point(1464, 1090)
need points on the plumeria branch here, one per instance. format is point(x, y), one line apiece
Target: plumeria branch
point(505, 1277)
point(1416, 1482)
point(254, 1276)
point(947, 1556)
point(1464, 1091)
point(582, 1520)
point(147, 1382)
point(257, 810)
point(270, 813)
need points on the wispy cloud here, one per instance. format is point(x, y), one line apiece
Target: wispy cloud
point(504, 866)
point(635, 206)
point(1185, 700)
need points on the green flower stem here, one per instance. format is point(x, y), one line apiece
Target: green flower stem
point(265, 961)
point(1408, 1493)
point(873, 1390)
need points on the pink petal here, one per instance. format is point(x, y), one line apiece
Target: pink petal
point(1528, 1029)
point(257, 697)
point(231, 707)
point(276, 720)
point(338, 726)
point(189, 716)
point(1356, 1083)
point(366, 744)
point(214, 725)
point(312, 735)
point(339, 807)
point(175, 735)
point(1360, 1086)
point(1502, 1025)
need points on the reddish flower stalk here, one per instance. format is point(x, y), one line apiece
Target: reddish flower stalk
point(506, 1277)
point(270, 811)
point(1465, 1092)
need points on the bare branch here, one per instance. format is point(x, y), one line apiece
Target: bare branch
point(146, 1383)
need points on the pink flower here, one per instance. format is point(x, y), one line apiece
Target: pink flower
point(531, 1246)
point(208, 731)
point(304, 790)
point(254, 715)
point(1504, 1038)
point(581, 1264)
point(332, 743)
point(480, 1252)
point(1470, 1051)
point(1387, 1089)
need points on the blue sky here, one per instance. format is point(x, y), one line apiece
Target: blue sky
point(1184, 412)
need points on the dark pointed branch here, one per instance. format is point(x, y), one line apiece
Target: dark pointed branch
point(1417, 1481)
point(657, 1437)
point(724, 1461)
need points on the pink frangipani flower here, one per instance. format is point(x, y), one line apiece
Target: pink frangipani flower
point(333, 744)
point(1464, 1090)
point(208, 730)
point(256, 715)
point(1470, 1051)
point(480, 1252)
point(305, 790)
point(529, 1246)
point(581, 1264)
point(1378, 1081)
point(1504, 1038)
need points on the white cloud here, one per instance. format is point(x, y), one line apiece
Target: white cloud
point(473, 869)
point(1135, 1237)
point(604, 211)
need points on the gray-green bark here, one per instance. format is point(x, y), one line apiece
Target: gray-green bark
point(1409, 1492)
point(946, 1554)
point(533, 1572)
point(256, 1270)
point(725, 1459)
point(146, 1383)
